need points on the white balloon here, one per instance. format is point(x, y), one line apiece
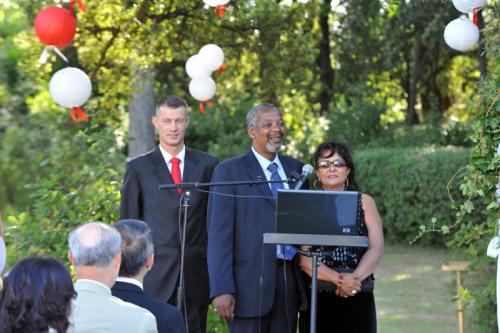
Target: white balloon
point(215, 3)
point(70, 87)
point(202, 88)
point(195, 67)
point(467, 6)
point(461, 34)
point(212, 56)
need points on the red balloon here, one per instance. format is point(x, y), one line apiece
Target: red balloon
point(55, 26)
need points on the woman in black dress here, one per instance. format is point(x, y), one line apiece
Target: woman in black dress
point(345, 297)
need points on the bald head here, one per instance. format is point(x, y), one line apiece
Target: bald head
point(94, 244)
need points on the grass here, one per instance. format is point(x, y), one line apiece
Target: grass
point(412, 293)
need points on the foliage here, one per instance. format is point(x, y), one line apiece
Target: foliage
point(411, 187)
point(479, 185)
point(80, 183)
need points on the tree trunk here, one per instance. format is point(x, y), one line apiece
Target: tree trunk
point(411, 113)
point(141, 108)
point(324, 63)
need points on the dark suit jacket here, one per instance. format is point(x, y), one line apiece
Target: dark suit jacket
point(236, 254)
point(168, 317)
point(143, 200)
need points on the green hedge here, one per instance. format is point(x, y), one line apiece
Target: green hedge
point(411, 188)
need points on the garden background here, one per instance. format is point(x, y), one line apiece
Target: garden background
point(423, 120)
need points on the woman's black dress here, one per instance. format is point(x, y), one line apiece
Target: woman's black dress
point(355, 314)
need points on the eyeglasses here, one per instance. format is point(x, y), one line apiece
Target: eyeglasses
point(325, 164)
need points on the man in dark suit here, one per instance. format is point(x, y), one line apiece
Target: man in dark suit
point(172, 162)
point(253, 287)
point(137, 259)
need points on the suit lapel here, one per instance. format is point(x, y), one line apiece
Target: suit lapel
point(286, 166)
point(191, 166)
point(161, 171)
point(255, 172)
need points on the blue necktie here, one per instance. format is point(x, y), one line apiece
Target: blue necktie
point(286, 252)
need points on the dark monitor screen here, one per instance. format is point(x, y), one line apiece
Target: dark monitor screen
point(317, 212)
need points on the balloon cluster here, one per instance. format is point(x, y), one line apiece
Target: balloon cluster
point(199, 67)
point(69, 87)
point(220, 6)
point(462, 33)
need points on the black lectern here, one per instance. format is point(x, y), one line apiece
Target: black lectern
point(300, 234)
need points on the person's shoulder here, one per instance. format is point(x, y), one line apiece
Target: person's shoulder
point(130, 308)
point(233, 160)
point(204, 155)
point(367, 200)
point(139, 159)
point(290, 159)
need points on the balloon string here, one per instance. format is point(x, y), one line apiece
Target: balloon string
point(80, 4)
point(45, 54)
point(475, 19)
point(220, 69)
point(77, 112)
point(221, 9)
point(202, 106)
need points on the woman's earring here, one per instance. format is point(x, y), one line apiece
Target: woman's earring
point(316, 183)
point(346, 186)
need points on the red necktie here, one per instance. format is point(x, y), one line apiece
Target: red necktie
point(176, 172)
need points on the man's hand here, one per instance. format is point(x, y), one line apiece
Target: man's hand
point(224, 306)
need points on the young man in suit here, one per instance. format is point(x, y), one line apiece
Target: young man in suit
point(95, 255)
point(254, 286)
point(137, 259)
point(172, 162)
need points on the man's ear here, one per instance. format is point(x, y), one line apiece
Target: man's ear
point(154, 121)
point(70, 258)
point(150, 261)
point(117, 259)
point(251, 132)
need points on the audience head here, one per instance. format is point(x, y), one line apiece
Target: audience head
point(36, 295)
point(95, 252)
point(339, 157)
point(137, 247)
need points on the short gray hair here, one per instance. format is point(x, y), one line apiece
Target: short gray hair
point(254, 112)
point(137, 245)
point(94, 244)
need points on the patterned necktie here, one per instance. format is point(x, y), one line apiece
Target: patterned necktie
point(286, 252)
point(176, 172)
point(275, 176)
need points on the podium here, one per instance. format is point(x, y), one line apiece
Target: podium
point(315, 240)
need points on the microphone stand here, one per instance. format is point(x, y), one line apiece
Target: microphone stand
point(186, 200)
point(315, 255)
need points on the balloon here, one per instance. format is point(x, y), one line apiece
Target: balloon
point(461, 34)
point(55, 26)
point(195, 67)
point(467, 6)
point(202, 88)
point(70, 87)
point(212, 56)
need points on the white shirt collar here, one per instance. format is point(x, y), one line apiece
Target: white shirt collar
point(264, 163)
point(167, 156)
point(131, 281)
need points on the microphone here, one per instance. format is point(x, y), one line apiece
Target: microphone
point(306, 171)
